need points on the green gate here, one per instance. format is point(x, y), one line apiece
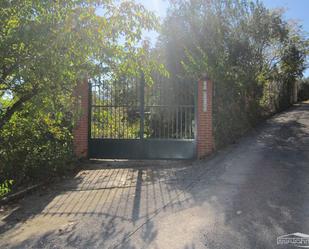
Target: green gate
point(133, 120)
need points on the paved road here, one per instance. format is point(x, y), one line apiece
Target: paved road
point(244, 197)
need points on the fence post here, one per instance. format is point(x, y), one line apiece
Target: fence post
point(205, 140)
point(80, 132)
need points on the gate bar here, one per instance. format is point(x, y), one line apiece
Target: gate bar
point(142, 107)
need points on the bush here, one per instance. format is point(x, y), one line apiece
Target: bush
point(252, 55)
point(303, 89)
point(34, 145)
point(5, 187)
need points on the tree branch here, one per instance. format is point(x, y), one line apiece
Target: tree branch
point(15, 107)
point(6, 72)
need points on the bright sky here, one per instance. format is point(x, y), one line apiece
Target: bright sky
point(294, 9)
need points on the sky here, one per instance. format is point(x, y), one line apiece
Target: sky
point(296, 10)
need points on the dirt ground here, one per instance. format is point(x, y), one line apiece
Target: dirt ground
point(245, 196)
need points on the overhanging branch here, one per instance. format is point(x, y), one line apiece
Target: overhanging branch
point(15, 107)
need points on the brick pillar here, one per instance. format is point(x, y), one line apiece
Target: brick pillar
point(80, 132)
point(205, 141)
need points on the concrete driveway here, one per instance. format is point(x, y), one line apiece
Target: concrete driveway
point(243, 197)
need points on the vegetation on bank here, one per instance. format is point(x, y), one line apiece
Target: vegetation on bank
point(253, 56)
point(303, 89)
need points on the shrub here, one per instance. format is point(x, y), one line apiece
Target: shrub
point(252, 55)
point(34, 145)
point(303, 89)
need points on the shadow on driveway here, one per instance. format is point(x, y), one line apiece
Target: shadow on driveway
point(101, 206)
point(245, 197)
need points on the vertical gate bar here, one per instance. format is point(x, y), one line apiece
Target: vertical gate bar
point(92, 88)
point(110, 120)
point(160, 110)
point(185, 108)
point(110, 114)
point(125, 109)
point(122, 109)
point(89, 113)
point(177, 128)
point(187, 115)
point(126, 93)
point(168, 122)
point(136, 84)
point(172, 115)
point(130, 87)
point(118, 110)
point(184, 103)
point(104, 97)
point(168, 104)
point(92, 102)
point(181, 118)
point(195, 110)
point(101, 103)
point(115, 110)
point(163, 122)
point(99, 109)
point(117, 121)
point(123, 121)
point(142, 103)
point(106, 109)
point(105, 103)
point(112, 110)
point(189, 122)
point(97, 97)
point(154, 129)
point(106, 85)
point(191, 119)
point(95, 110)
point(180, 115)
point(160, 124)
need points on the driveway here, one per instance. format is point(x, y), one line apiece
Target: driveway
point(245, 196)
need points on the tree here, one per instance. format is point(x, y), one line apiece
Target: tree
point(250, 52)
point(46, 47)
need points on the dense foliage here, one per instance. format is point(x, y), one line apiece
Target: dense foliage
point(250, 52)
point(303, 89)
point(46, 48)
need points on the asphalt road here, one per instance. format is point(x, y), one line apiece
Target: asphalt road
point(245, 196)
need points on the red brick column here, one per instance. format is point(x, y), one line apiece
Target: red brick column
point(80, 132)
point(205, 141)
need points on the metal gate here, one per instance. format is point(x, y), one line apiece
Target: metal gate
point(133, 120)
